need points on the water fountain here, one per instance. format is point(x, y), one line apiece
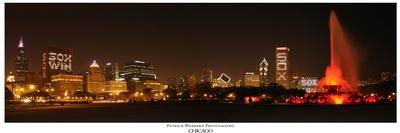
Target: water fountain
point(344, 63)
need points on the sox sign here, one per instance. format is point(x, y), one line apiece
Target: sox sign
point(282, 66)
point(55, 61)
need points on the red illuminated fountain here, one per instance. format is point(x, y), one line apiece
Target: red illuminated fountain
point(343, 66)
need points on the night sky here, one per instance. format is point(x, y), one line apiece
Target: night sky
point(183, 38)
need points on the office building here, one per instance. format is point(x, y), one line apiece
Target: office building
point(66, 85)
point(111, 71)
point(95, 79)
point(21, 63)
point(263, 72)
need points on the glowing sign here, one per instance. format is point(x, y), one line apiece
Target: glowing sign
point(308, 83)
point(55, 61)
point(281, 63)
point(281, 59)
point(58, 61)
point(282, 66)
point(225, 78)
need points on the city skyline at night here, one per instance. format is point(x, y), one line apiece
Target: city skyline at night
point(187, 39)
point(200, 62)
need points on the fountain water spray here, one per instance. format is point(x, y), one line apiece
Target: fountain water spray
point(344, 63)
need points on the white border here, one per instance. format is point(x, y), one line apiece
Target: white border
point(161, 127)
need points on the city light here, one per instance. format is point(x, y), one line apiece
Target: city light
point(185, 75)
point(26, 100)
point(31, 87)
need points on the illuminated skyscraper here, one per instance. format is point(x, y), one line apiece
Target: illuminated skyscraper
point(21, 63)
point(95, 79)
point(263, 72)
point(111, 71)
point(282, 67)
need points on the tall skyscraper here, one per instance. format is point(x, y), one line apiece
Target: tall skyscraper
point(111, 71)
point(263, 72)
point(282, 67)
point(207, 76)
point(56, 61)
point(95, 79)
point(21, 63)
point(251, 80)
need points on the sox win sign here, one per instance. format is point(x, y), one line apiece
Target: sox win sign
point(56, 61)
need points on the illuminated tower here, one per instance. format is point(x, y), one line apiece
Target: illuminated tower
point(263, 72)
point(95, 79)
point(21, 63)
point(282, 67)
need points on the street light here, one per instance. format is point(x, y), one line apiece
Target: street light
point(31, 87)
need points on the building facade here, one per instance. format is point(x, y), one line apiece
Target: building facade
point(154, 85)
point(66, 85)
point(251, 80)
point(115, 86)
point(282, 67)
point(95, 79)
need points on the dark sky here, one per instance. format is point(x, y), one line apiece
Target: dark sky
point(183, 38)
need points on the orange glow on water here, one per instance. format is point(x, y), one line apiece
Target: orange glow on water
point(337, 99)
